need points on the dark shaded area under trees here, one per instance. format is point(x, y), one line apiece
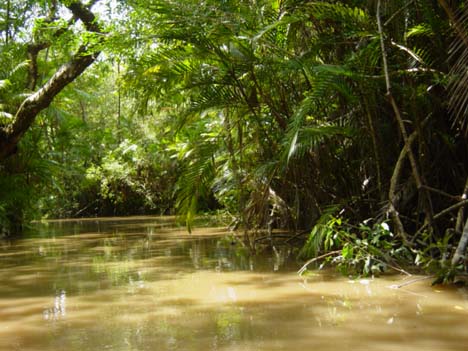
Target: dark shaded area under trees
point(342, 119)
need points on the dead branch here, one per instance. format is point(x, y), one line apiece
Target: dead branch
point(312, 260)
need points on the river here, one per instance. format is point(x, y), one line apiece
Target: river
point(143, 283)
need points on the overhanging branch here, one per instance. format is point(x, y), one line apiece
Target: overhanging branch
point(67, 73)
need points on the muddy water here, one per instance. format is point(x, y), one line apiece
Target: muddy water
point(143, 284)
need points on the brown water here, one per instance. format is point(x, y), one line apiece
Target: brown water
point(142, 284)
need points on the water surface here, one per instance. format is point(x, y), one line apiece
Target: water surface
point(145, 284)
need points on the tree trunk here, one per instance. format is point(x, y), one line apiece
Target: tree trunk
point(41, 99)
point(7, 23)
point(461, 248)
point(410, 154)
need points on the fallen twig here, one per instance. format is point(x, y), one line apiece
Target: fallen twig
point(398, 286)
point(304, 267)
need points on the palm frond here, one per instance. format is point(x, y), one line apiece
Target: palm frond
point(20, 68)
point(306, 131)
point(195, 181)
point(458, 78)
point(354, 17)
point(305, 139)
point(419, 30)
point(5, 84)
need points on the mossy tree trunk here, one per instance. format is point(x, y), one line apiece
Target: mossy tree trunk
point(11, 134)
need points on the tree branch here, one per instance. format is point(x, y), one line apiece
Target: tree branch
point(41, 99)
point(414, 166)
point(439, 215)
point(33, 51)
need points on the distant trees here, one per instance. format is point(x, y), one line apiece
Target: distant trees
point(89, 152)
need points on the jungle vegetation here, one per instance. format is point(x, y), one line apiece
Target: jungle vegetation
point(342, 122)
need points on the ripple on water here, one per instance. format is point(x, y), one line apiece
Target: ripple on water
point(145, 284)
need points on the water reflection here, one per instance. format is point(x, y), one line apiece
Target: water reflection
point(144, 284)
point(59, 309)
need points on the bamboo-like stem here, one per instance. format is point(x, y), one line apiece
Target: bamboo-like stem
point(414, 167)
point(393, 185)
point(462, 244)
point(461, 248)
point(461, 211)
point(375, 147)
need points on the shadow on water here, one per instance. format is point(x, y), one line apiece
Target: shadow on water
point(144, 284)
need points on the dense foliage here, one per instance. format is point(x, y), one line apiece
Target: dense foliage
point(346, 118)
